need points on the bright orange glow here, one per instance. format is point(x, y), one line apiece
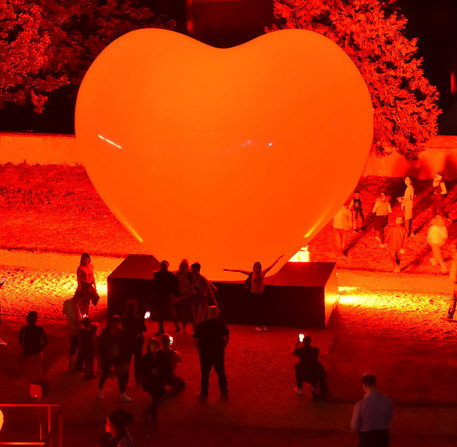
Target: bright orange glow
point(302, 255)
point(228, 156)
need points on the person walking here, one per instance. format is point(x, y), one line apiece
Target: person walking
point(73, 315)
point(211, 338)
point(439, 191)
point(203, 292)
point(395, 240)
point(372, 415)
point(87, 289)
point(381, 210)
point(436, 237)
point(407, 202)
point(342, 222)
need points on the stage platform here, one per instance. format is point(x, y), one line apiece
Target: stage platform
point(301, 294)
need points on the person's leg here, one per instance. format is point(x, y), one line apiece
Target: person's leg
point(160, 316)
point(172, 313)
point(338, 240)
point(205, 367)
point(299, 376)
point(453, 304)
point(73, 348)
point(137, 356)
point(219, 367)
point(436, 252)
point(106, 367)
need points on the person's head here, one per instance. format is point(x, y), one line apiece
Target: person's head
point(399, 220)
point(117, 421)
point(307, 340)
point(196, 267)
point(131, 307)
point(86, 322)
point(114, 322)
point(438, 220)
point(153, 345)
point(382, 196)
point(164, 265)
point(184, 266)
point(368, 381)
point(439, 176)
point(213, 312)
point(257, 268)
point(165, 340)
point(85, 259)
point(357, 195)
point(408, 181)
point(32, 317)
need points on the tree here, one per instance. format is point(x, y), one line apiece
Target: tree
point(27, 73)
point(47, 44)
point(370, 32)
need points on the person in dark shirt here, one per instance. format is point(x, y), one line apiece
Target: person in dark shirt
point(308, 368)
point(165, 287)
point(88, 347)
point(152, 380)
point(212, 336)
point(168, 360)
point(135, 326)
point(33, 340)
point(113, 349)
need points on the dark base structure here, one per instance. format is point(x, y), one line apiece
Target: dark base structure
point(301, 295)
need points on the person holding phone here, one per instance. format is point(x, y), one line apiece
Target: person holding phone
point(308, 368)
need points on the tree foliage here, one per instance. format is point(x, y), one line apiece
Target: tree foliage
point(46, 44)
point(371, 34)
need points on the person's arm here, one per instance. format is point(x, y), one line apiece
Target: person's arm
point(375, 207)
point(21, 336)
point(389, 208)
point(354, 425)
point(78, 277)
point(93, 278)
point(443, 188)
point(44, 339)
point(244, 272)
point(226, 339)
point(272, 265)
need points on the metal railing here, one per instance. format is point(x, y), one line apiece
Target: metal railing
point(49, 424)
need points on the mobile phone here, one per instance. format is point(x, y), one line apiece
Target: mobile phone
point(84, 315)
point(171, 340)
point(301, 337)
point(147, 314)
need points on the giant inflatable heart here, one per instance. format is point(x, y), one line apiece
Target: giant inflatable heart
point(223, 156)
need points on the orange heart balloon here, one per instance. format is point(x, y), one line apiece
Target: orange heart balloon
point(223, 156)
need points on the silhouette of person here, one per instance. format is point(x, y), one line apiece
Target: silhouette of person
point(116, 433)
point(166, 286)
point(73, 315)
point(436, 237)
point(183, 304)
point(395, 240)
point(211, 338)
point(357, 211)
point(168, 360)
point(308, 368)
point(439, 190)
point(256, 290)
point(381, 210)
point(407, 202)
point(203, 291)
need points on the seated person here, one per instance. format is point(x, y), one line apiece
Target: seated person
point(168, 361)
point(308, 368)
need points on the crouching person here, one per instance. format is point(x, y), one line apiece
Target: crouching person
point(308, 368)
point(169, 359)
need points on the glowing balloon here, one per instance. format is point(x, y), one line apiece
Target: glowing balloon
point(223, 156)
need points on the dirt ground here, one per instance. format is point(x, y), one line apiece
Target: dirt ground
point(390, 324)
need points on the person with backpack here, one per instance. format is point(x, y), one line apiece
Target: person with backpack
point(255, 287)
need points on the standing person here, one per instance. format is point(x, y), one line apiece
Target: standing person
point(152, 380)
point(407, 202)
point(88, 347)
point(439, 191)
point(165, 288)
point(211, 338)
point(203, 291)
point(135, 326)
point(395, 240)
point(342, 222)
point(436, 237)
point(357, 211)
point(308, 368)
point(33, 340)
point(372, 415)
point(73, 315)
point(256, 288)
point(113, 350)
point(116, 433)
point(183, 302)
point(381, 210)
point(87, 290)
point(169, 360)
point(453, 278)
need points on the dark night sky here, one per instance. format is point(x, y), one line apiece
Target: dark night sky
point(433, 22)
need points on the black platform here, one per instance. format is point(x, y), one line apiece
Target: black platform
point(301, 294)
point(132, 279)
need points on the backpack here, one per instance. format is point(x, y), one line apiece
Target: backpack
point(247, 283)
